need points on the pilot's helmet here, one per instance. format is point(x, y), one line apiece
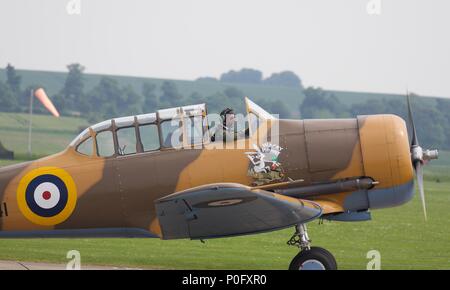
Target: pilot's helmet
point(226, 112)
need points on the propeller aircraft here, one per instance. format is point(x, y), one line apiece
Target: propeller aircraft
point(129, 177)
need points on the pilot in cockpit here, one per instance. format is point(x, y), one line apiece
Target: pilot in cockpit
point(226, 131)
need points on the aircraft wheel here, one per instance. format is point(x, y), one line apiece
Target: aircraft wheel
point(314, 259)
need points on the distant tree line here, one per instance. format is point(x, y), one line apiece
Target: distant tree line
point(14, 98)
point(253, 76)
point(108, 99)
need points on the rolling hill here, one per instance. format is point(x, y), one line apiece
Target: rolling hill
point(292, 97)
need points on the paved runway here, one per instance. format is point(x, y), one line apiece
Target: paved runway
point(16, 265)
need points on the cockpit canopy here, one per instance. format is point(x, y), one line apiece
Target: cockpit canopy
point(142, 133)
point(168, 128)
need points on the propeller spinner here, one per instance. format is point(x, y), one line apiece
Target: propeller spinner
point(419, 156)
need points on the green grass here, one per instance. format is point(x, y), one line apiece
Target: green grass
point(14, 133)
point(41, 122)
point(8, 162)
point(439, 170)
point(400, 234)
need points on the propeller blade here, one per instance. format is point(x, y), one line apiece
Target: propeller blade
point(414, 140)
point(419, 175)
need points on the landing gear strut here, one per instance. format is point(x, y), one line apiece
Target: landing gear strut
point(309, 258)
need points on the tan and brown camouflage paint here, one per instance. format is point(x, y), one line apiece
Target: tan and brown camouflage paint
point(120, 191)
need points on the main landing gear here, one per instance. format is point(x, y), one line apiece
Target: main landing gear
point(309, 258)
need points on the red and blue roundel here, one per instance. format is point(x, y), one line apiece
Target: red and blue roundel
point(47, 195)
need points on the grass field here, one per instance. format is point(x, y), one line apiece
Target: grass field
point(14, 133)
point(400, 234)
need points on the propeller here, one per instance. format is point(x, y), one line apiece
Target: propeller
point(419, 157)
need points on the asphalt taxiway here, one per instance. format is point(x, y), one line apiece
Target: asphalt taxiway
point(19, 265)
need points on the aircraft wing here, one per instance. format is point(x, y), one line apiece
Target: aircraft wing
point(329, 206)
point(229, 209)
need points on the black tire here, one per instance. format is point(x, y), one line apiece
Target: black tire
point(316, 259)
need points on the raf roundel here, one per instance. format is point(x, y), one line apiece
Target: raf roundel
point(47, 196)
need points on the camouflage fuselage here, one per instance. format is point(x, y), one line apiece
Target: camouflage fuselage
point(119, 192)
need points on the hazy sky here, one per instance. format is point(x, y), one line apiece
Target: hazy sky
point(335, 44)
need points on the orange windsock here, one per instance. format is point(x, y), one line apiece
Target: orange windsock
point(42, 96)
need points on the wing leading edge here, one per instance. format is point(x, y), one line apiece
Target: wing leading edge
point(229, 209)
